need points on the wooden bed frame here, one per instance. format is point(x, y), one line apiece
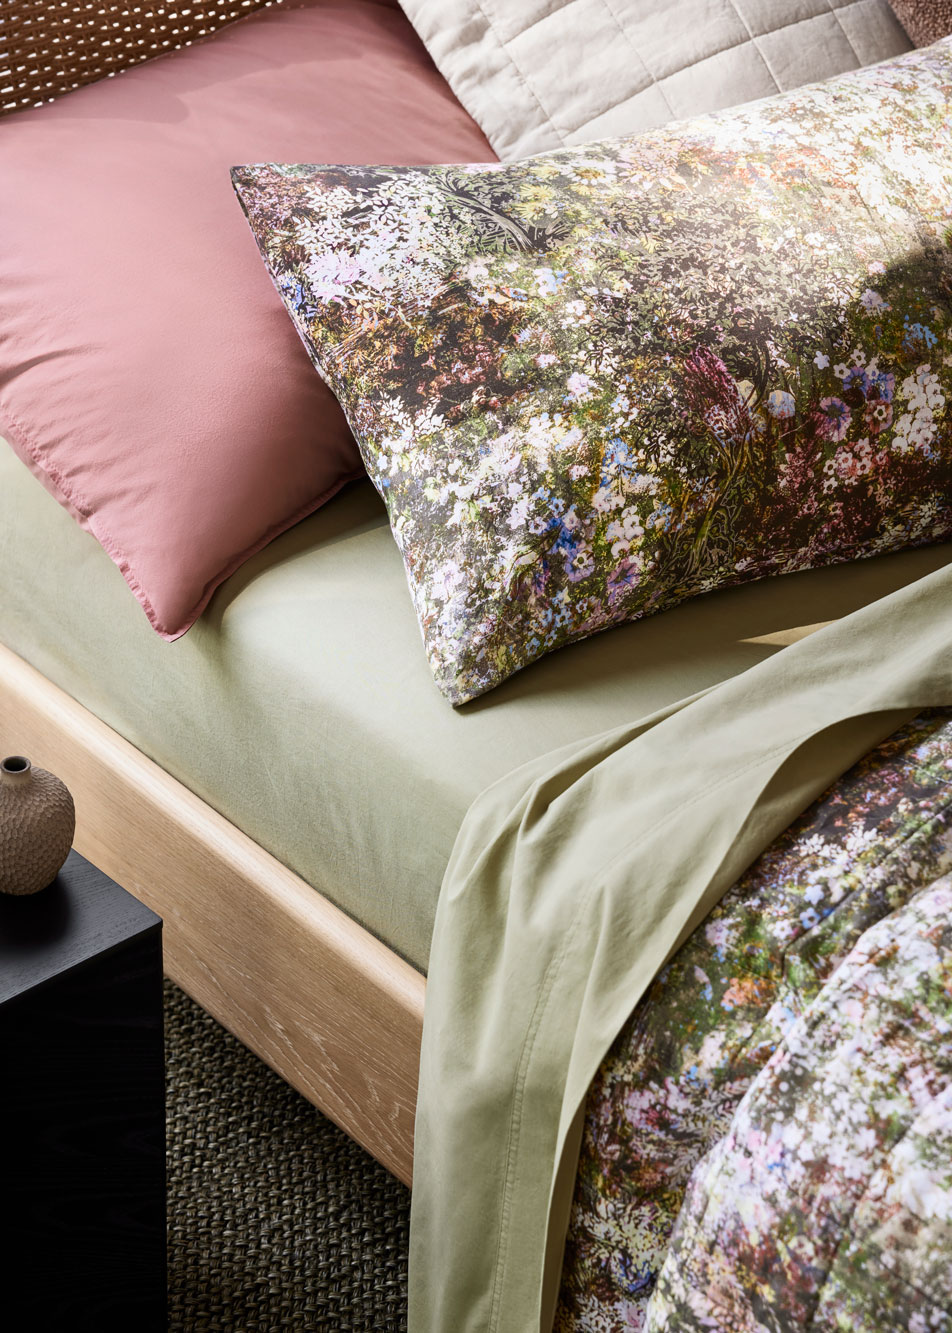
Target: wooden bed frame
point(333, 1010)
point(321, 1000)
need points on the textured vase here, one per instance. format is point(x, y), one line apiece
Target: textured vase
point(37, 822)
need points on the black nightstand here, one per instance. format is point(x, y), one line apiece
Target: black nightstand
point(82, 1109)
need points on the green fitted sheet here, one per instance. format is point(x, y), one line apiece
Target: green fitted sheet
point(301, 705)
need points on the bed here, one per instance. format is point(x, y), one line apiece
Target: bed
point(284, 785)
point(220, 844)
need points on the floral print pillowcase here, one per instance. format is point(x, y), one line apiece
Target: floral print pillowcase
point(600, 381)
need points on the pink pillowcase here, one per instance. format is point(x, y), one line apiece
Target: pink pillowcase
point(148, 372)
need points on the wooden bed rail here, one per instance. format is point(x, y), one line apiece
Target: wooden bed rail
point(316, 996)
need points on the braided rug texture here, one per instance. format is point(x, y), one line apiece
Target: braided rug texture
point(277, 1221)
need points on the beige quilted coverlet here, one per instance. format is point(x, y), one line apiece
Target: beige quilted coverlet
point(537, 74)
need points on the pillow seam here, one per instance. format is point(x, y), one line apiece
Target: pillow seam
point(123, 563)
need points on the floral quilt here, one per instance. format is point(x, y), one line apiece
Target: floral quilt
point(768, 1145)
point(600, 381)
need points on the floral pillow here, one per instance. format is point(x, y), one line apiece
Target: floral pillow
point(600, 381)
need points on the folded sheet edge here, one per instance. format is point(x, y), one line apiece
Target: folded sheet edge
point(571, 883)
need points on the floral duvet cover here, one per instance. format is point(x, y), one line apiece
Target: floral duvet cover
point(768, 1145)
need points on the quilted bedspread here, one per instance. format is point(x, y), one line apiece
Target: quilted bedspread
point(768, 1145)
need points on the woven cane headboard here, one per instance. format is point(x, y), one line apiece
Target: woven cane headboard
point(48, 47)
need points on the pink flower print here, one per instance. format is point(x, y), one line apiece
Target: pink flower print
point(744, 990)
point(624, 577)
point(712, 394)
point(877, 415)
point(836, 418)
point(848, 465)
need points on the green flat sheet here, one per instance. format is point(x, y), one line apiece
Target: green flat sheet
point(571, 883)
point(301, 705)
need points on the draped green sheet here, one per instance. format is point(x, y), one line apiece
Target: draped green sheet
point(301, 706)
point(571, 882)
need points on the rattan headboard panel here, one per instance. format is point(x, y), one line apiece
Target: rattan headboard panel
point(48, 47)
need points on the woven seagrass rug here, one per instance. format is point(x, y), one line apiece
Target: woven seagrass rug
point(277, 1221)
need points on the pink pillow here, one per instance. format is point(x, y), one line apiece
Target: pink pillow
point(148, 372)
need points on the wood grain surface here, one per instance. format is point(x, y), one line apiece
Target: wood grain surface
point(321, 1000)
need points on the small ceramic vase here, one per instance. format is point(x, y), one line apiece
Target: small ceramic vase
point(37, 822)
